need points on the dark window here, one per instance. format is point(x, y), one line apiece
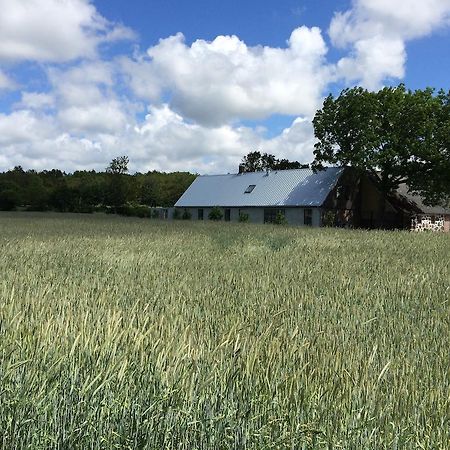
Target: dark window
point(270, 215)
point(200, 214)
point(227, 215)
point(250, 188)
point(307, 216)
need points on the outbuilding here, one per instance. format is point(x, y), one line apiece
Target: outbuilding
point(300, 196)
point(335, 196)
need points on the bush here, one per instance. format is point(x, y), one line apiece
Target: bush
point(243, 217)
point(280, 219)
point(215, 214)
point(186, 215)
point(133, 211)
point(155, 214)
point(176, 214)
point(329, 218)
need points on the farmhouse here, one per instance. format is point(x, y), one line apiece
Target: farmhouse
point(336, 196)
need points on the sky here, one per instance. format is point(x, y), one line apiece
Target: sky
point(195, 86)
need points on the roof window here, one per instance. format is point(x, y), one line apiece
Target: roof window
point(250, 188)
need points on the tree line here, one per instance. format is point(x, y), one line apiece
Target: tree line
point(88, 191)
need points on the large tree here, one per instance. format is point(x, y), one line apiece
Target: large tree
point(397, 134)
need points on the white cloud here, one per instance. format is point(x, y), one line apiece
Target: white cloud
point(163, 140)
point(54, 30)
point(376, 32)
point(22, 127)
point(224, 80)
point(5, 82)
point(35, 100)
point(104, 117)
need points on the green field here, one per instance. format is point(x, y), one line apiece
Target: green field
point(133, 333)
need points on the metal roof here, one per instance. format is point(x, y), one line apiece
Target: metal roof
point(299, 187)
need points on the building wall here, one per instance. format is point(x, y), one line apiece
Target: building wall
point(431, 222)
point(294, 216)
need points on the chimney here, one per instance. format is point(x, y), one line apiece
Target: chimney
point(241, 168)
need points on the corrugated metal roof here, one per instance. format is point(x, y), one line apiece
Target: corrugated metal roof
point(300, 187)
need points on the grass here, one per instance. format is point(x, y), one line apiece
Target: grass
point(131, 333)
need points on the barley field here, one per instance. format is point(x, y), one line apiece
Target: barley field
point(141, 334)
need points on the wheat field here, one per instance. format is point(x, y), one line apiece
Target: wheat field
point(143, 334)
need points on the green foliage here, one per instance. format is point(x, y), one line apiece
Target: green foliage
point(215, 214)
point(118, 166)
point(162, 189)
point(86, 191)
point(244, 217)
point(257, 162)
point(288, 338)
point(280, 219)
point(329, 218)
point(176, 214)
point(9, 199)
point(134, 211)
point(155, 214)
point(397, 134)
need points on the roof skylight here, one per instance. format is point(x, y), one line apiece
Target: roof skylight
point(250, 188)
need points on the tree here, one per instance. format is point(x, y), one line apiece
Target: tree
point(118, 184)
point(118, 166)
point(9, 197)
point(396, 134)
point(258, 162)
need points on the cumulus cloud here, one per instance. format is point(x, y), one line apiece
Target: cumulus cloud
point(163, 140)
point(376, 32)
point(224, 80)
point(54, 30)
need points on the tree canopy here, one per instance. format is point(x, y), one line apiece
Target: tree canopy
point(257, 162)
point(86, 191)
point(399, 135)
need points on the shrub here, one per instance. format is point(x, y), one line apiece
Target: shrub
point(133, 210)
point(243, 217)
point(280, 219)
point(176, 214)
point(155, 214)
point(328, 218)
point(215, 214)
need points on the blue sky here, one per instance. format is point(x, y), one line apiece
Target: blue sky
point(196, 85)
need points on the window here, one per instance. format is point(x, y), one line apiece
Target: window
point(307, 216)
point(227, 215)
point(270, 215)
point(200, 214)
point(250, 189)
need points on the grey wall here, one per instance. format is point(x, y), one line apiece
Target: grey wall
point(294, 216)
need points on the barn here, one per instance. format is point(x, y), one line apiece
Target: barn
point(336, 196)
point(302, 197)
